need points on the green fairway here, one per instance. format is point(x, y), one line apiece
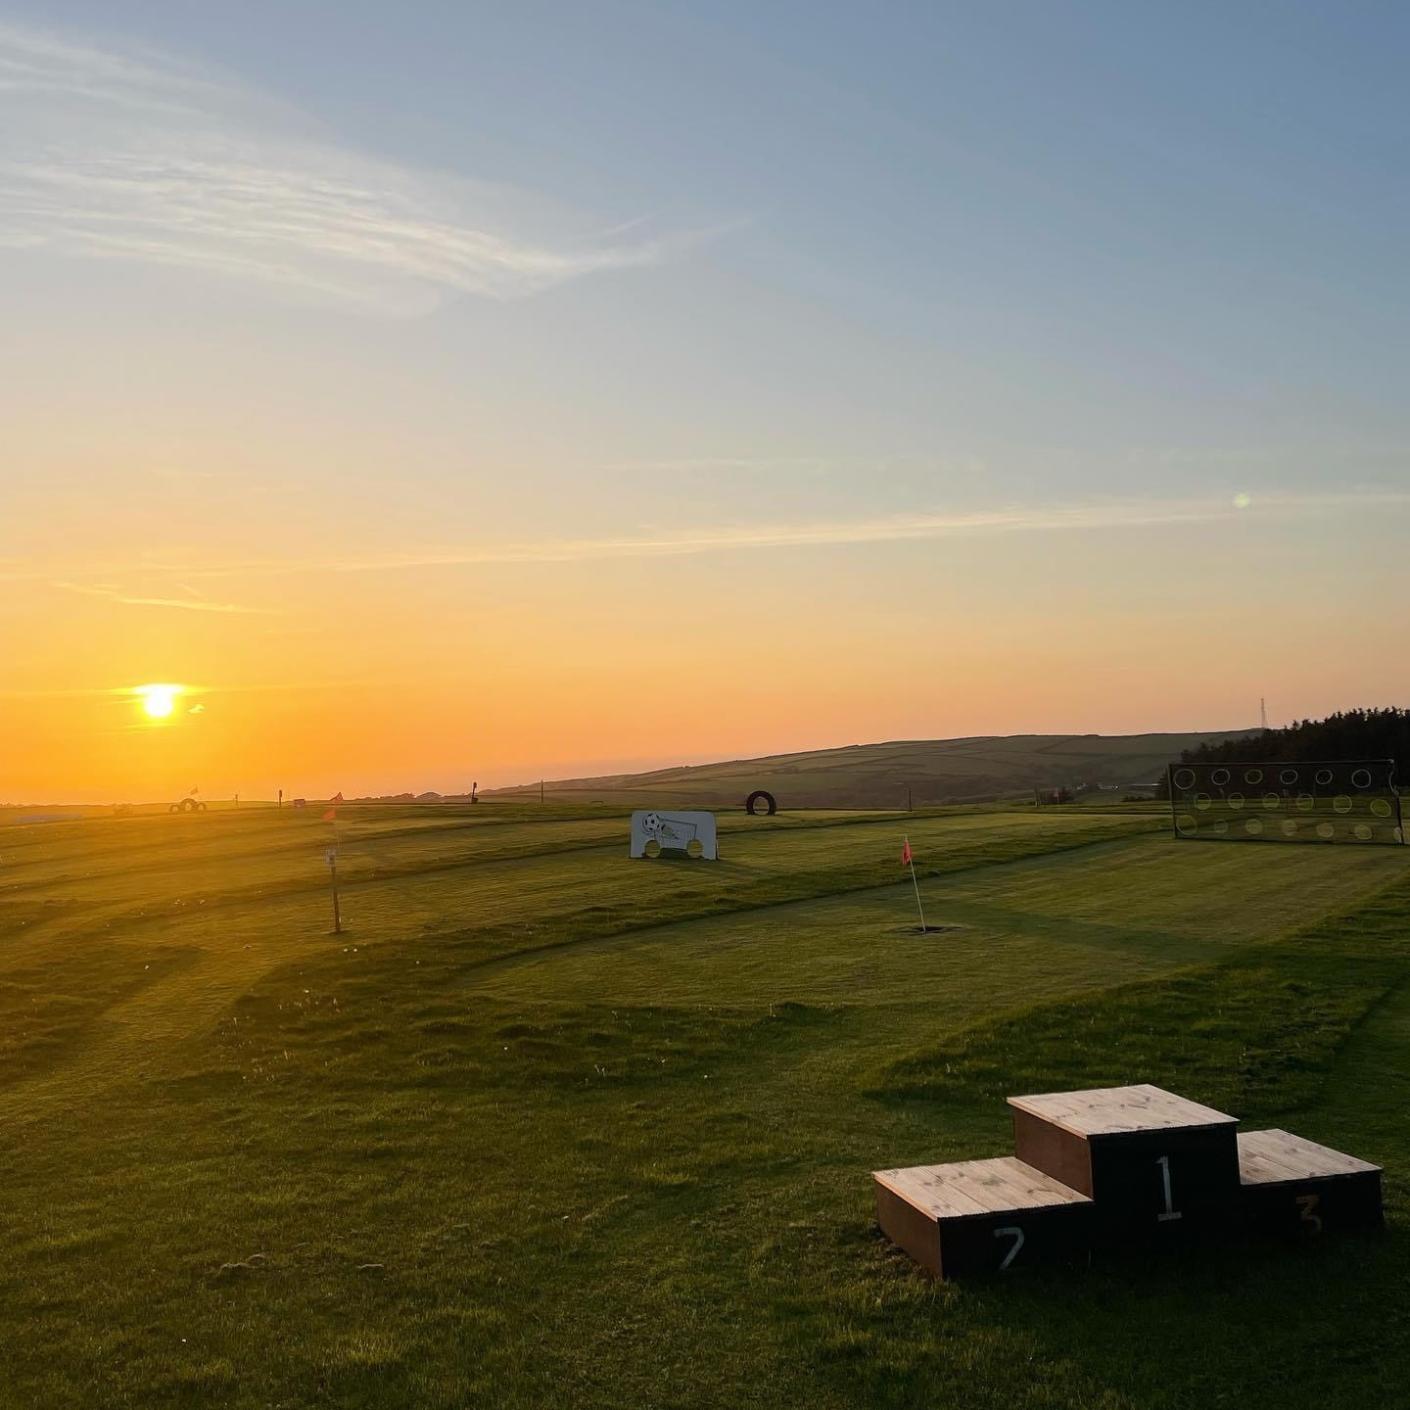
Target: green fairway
point(547, 1126)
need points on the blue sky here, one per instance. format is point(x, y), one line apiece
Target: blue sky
point(1104, 303)
point(1096, 229)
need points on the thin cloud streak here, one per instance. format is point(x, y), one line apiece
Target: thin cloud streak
point(888, 529)
point(121, 694)
point(39, 64)
point(192, 603)
point(135, 157)
point(691, 464)
point(901, 528)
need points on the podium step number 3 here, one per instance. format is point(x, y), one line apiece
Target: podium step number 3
point(1118, 1166)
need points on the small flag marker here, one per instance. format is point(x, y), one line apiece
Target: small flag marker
point(908, 859)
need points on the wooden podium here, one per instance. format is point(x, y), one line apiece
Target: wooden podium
point(1118, 1166)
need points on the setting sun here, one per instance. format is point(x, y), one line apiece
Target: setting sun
point(158, 701)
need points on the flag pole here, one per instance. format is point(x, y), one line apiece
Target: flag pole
point(916, 884)
point(333, 862)
point(333, 874)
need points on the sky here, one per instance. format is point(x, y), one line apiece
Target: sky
point(450, 392)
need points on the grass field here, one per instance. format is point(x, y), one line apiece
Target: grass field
point(546, 1126)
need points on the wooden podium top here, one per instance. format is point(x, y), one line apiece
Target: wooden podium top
point(1271, 1157)
point(977, 1187)
point(1111, 1111)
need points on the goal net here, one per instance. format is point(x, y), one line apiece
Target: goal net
point(1354, 802)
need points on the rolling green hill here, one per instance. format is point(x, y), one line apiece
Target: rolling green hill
point(878, 775)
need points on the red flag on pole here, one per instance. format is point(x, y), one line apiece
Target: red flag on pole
point(908, 860)
point(332, 812)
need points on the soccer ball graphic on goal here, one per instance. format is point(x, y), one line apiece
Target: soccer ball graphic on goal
point(679, 832)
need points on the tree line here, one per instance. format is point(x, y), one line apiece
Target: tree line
point(1348, 734)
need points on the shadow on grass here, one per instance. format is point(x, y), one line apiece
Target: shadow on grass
point(1287, 1323)
point(1255, 1035)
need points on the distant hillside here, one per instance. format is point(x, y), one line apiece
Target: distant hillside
point(878, 775)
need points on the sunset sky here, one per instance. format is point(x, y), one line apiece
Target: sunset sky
point(459, 391)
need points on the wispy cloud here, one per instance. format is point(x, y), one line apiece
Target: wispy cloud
point(1109, 516)
point(895, 528)
point(723, 463)
point(138, 156)
point(192, 602)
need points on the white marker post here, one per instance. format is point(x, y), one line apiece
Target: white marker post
point(331, 856)
point(908, 859)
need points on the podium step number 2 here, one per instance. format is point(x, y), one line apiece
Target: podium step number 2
point(978, 1216)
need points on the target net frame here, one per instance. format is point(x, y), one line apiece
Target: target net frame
point(1323, 802)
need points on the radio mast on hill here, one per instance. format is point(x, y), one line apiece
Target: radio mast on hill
point(1263, 711)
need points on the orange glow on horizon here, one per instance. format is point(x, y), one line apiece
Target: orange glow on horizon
point(382, 682)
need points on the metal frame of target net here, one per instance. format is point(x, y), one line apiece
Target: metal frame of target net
point(1319, 802)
